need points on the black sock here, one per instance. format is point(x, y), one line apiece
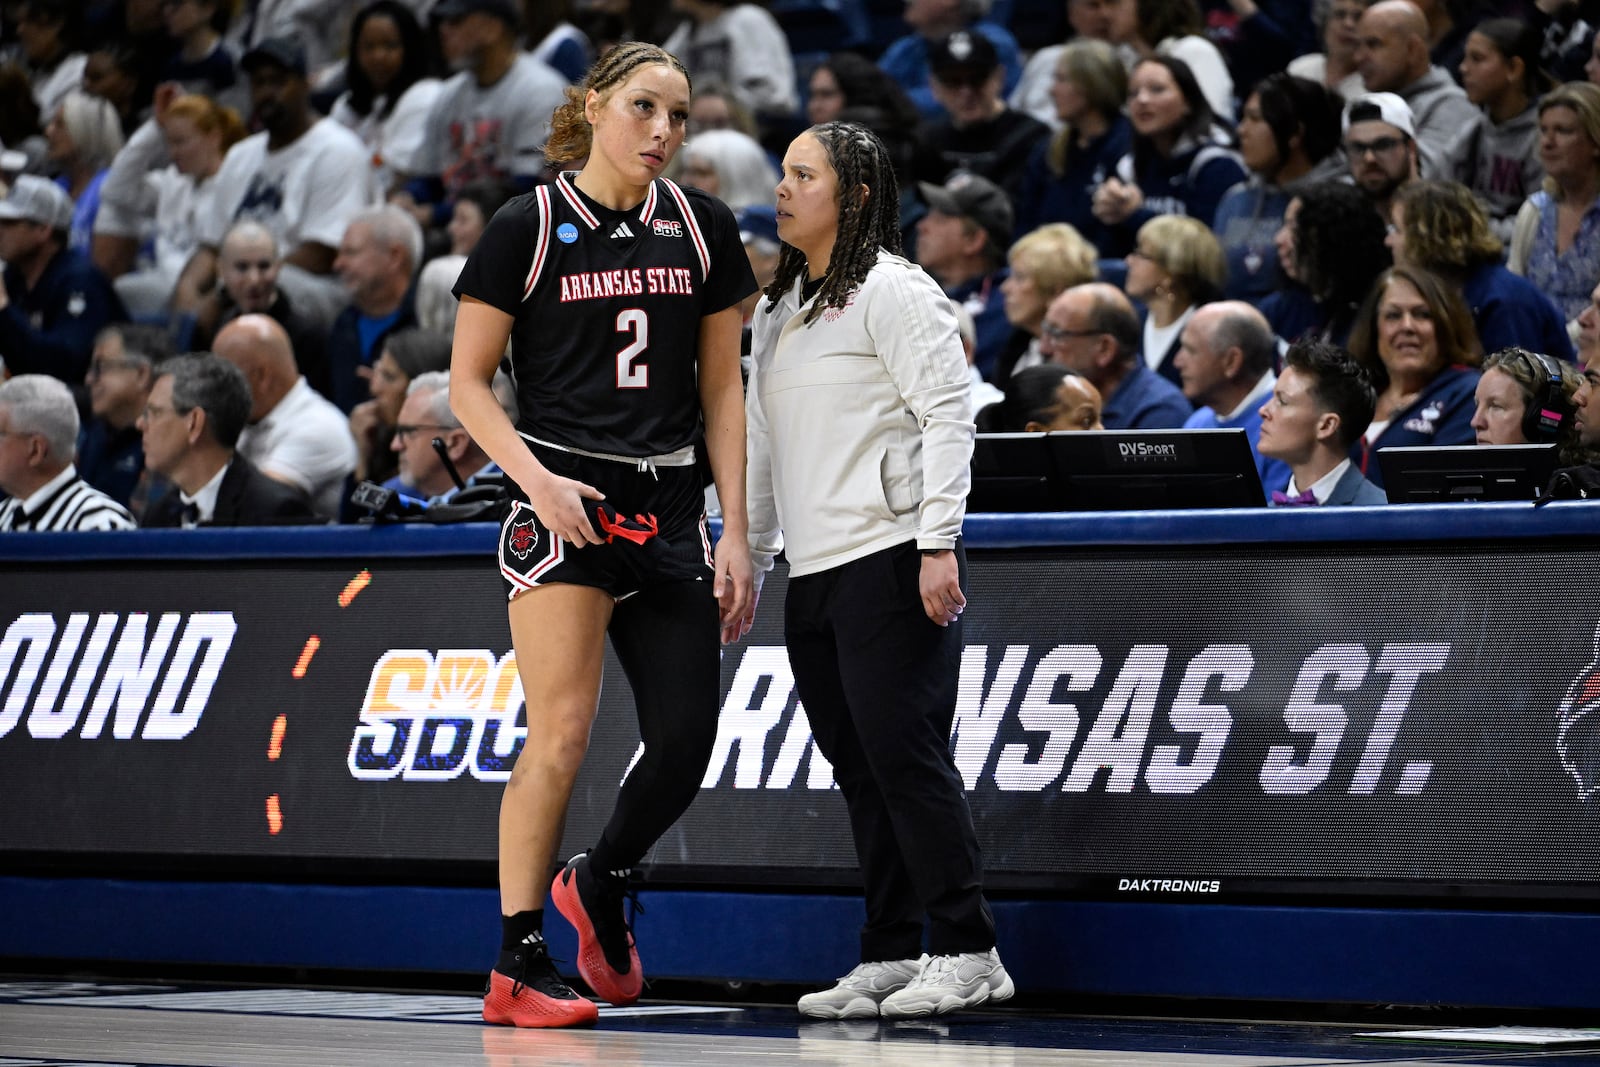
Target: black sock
point(514, 929)
point(603, 864)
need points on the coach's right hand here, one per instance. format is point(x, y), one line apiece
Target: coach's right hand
point(559, 504)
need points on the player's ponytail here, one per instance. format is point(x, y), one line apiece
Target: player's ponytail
point(571, 136)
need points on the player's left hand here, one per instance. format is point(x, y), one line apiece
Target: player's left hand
point(940, 586)
point(733, 586)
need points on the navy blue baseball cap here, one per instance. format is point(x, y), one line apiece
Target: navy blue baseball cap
point(280, 51)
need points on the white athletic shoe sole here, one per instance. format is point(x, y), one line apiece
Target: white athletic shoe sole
point(862, 1007)
point(918, 1001)
point(858, 994)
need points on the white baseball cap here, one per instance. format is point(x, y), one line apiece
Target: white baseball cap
point(1391, 109)
point(37, 199)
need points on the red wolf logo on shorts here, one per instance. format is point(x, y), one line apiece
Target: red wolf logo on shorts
point(524, 538)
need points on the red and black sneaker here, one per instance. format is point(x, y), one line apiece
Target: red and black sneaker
point(532, 993)
point(607, 957)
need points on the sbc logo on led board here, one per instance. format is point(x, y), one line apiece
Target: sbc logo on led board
point(429, 716)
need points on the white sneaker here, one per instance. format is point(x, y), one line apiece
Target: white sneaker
point(858, 994)
point(950, 983)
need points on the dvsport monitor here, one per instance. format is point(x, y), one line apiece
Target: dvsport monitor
point(1143, 470)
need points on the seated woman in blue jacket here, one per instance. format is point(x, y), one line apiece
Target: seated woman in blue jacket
point(1182, 160)
point(1440, 227)
point(1417, 341)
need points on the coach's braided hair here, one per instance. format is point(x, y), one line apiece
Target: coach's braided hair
point(867, 223)
point(571, 136)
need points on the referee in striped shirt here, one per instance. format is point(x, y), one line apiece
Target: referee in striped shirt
point(38, 442)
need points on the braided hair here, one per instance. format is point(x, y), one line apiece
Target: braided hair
point(866, 223)
point(571, 136)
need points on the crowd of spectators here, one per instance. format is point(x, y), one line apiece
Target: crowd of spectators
point(1148, 214)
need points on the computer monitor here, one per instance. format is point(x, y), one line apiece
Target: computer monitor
point(1114, 470)
point(1143, 470)
point(1013, 472)
point(1441, 474)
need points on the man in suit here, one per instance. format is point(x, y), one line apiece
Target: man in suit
point(197, 408)
point(1318, 410)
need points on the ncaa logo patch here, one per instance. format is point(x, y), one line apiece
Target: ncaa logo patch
point(524, 538)
point(667, 227)
point(566, 233)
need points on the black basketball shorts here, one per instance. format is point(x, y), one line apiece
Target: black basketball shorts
point(652, 524)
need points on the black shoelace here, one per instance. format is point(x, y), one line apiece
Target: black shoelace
point(537, 971)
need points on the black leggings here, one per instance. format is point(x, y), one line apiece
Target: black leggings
point(667, 638)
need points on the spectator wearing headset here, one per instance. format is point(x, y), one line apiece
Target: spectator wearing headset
point(1526, 397)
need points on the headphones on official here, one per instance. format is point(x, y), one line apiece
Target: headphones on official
point(1550, 410)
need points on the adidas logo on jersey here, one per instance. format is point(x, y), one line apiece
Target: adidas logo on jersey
point(622, 230)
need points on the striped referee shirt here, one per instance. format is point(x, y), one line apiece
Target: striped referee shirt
point(66, 502)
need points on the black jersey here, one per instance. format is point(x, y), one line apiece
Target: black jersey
point(608, 307)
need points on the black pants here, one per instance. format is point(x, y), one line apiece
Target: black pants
point(878, 680)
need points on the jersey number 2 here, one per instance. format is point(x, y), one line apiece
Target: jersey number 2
point(632, 375)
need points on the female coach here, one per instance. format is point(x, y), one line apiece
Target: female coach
point(860, 444)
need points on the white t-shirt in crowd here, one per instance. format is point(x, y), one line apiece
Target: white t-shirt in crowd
point(481, 133)
point(744, 48)
point(305, 441)
point(394, 141)
point(305, 191)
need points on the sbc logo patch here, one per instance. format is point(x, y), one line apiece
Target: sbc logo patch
point(667, 227)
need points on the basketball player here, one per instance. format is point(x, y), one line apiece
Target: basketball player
point(861, 435)
point(620, 295)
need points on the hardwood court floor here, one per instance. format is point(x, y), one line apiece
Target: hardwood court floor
point(53, 1024)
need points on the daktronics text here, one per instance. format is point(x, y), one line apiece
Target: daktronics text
point(73, 675)
point(1027, 719)
point(1168, 885)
